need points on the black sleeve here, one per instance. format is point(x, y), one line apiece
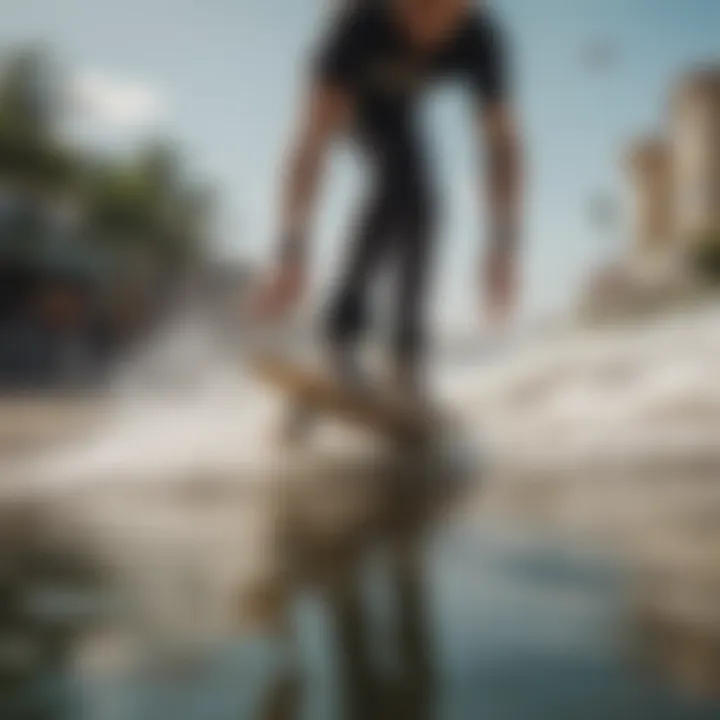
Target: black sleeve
point(338, 57)
point(485, 57)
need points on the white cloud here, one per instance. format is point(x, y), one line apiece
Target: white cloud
point(116, 102)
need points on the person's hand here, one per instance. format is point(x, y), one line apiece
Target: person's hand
point(280, 293)
point(500, 285)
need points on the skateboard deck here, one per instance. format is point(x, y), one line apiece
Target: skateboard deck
point(375, 408)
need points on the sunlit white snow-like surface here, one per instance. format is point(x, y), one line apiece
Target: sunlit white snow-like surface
point(614, 394)
point(623, 395)
point(185, 408)
point(595, 408)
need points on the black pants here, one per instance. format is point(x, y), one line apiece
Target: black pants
point(396, 226)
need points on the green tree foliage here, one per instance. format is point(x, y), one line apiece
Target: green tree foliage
point(29, 92)
point(144, 203)
point(30, 103)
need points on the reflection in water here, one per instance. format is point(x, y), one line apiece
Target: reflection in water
point(323, 588)
point(170, 555)
point(366, 598)
point(381, 548)
point(47, 587)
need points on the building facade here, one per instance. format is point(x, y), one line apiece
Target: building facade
point(695, 150)
point(676, 181)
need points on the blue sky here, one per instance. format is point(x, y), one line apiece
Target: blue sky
point(221, 75)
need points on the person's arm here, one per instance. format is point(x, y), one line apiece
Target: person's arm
point(327, 111)
point(324, 117)
point(504, 181)
point(485, 55)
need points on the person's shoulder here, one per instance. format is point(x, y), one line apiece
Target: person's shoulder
point(350, 34)
point(482, 34)
point(480, 51)
point(360, 19)
point(482, 22)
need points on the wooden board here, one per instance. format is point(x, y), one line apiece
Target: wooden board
point(375, 409)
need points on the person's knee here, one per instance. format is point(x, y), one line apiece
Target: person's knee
point(347, 316)
point(409, 342)
point(419, 207)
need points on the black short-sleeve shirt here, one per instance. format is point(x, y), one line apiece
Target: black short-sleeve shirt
point(365, 53)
